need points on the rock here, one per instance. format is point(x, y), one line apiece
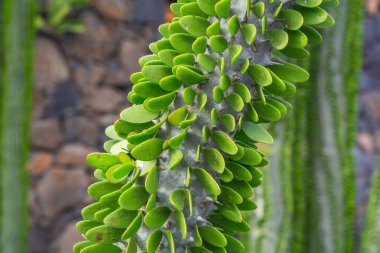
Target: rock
point(96, 43)
point(82, 129)
point(73, 154)
point(366, 142)
point(60, 189)
point(50, 65)
point(372, 102)
point(39, 163)
point(88, 76)
point(130, 53)
point(67, 239)
point(63, 101)
point(104, 100)
point(46, 134)
point(115, 9)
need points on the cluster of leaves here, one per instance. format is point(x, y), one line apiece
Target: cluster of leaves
point(182, 162)
point(54, 16)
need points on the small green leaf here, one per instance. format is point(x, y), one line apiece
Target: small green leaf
point(223, 8)
point(313, 16)
point(177, 199)
point(241, 187)
point(208, 6)
point(260, 75)
point(157, 216)
point(102, 161)
point(120, 218)
point(176, 8)
point(169, 237)
point(164, 30)
point(192, 9)
point(214, 159)
point(159, 104)
point(194, 25)
point(242, 90)
point(239, 171)
point(101, 248)
point(224, 142)
point(133, 227)
point(229, 196)
point(189, 76)
point(313, 36)
point(155, 73)
point(176, 157)
point(169, 83)
point(182, 42)
point(218, 43)
point(228, 122)
point(292, 19)
point(85, 225)
point(137, 114)
point(233, 244)
point(235, 53)
point(132, 246)
point(177, 141)
point(233, 25)
point(212, 236)
point(225, 82)
point(148, 150)
point(266, 111)
point(199, 46)
point(259, 9)
point(249, 33)
point(179, 115)
point(213, 29)
point(218, 94)
point(309, 3)
point(148, 89)
point(135, 77)
point(231, 212)
point(134, 198)
point(99, 189)
point(168, 55)
point(207, 62)
point(202, 101)
point(191, 118)
point(328, 23)
point(296, 53)
point(297, 39)
point(104, 234)
point(278, 38)
point(181, 222)
point(207, 181)
point(89, 211)
point(235, 102)
point(154, 241)
point(188, 95)
point(290, 72)
point(151, 181)
point(256, 132)
point(78, 247)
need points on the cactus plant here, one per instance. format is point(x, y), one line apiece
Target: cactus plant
point(182, 161)
point(317, 202)
point(16, 58)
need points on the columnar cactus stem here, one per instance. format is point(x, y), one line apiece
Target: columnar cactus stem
point(16, 58)
point(182, 162)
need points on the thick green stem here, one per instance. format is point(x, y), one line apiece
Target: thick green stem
point(16, 51)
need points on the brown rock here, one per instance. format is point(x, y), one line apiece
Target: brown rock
point(73, 154)
point(60, 189)
point(372, 101)
point(82, 129)
point(46, 134)
point(104, 100)
point(67, 239)
point(130, 53)
point(50, 65)
point(95, 43)
point(366, 142)
point(88, 76)
point(39, 163)
point(115, 9)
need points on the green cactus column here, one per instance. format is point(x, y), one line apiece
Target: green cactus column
point(16, 58)
point(182, 162)
point(320, 134)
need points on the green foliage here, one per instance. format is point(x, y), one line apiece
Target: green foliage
point(54, 16)
point(201, 104)
point(16, 58)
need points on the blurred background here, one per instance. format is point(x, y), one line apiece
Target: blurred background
point(83, 53)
